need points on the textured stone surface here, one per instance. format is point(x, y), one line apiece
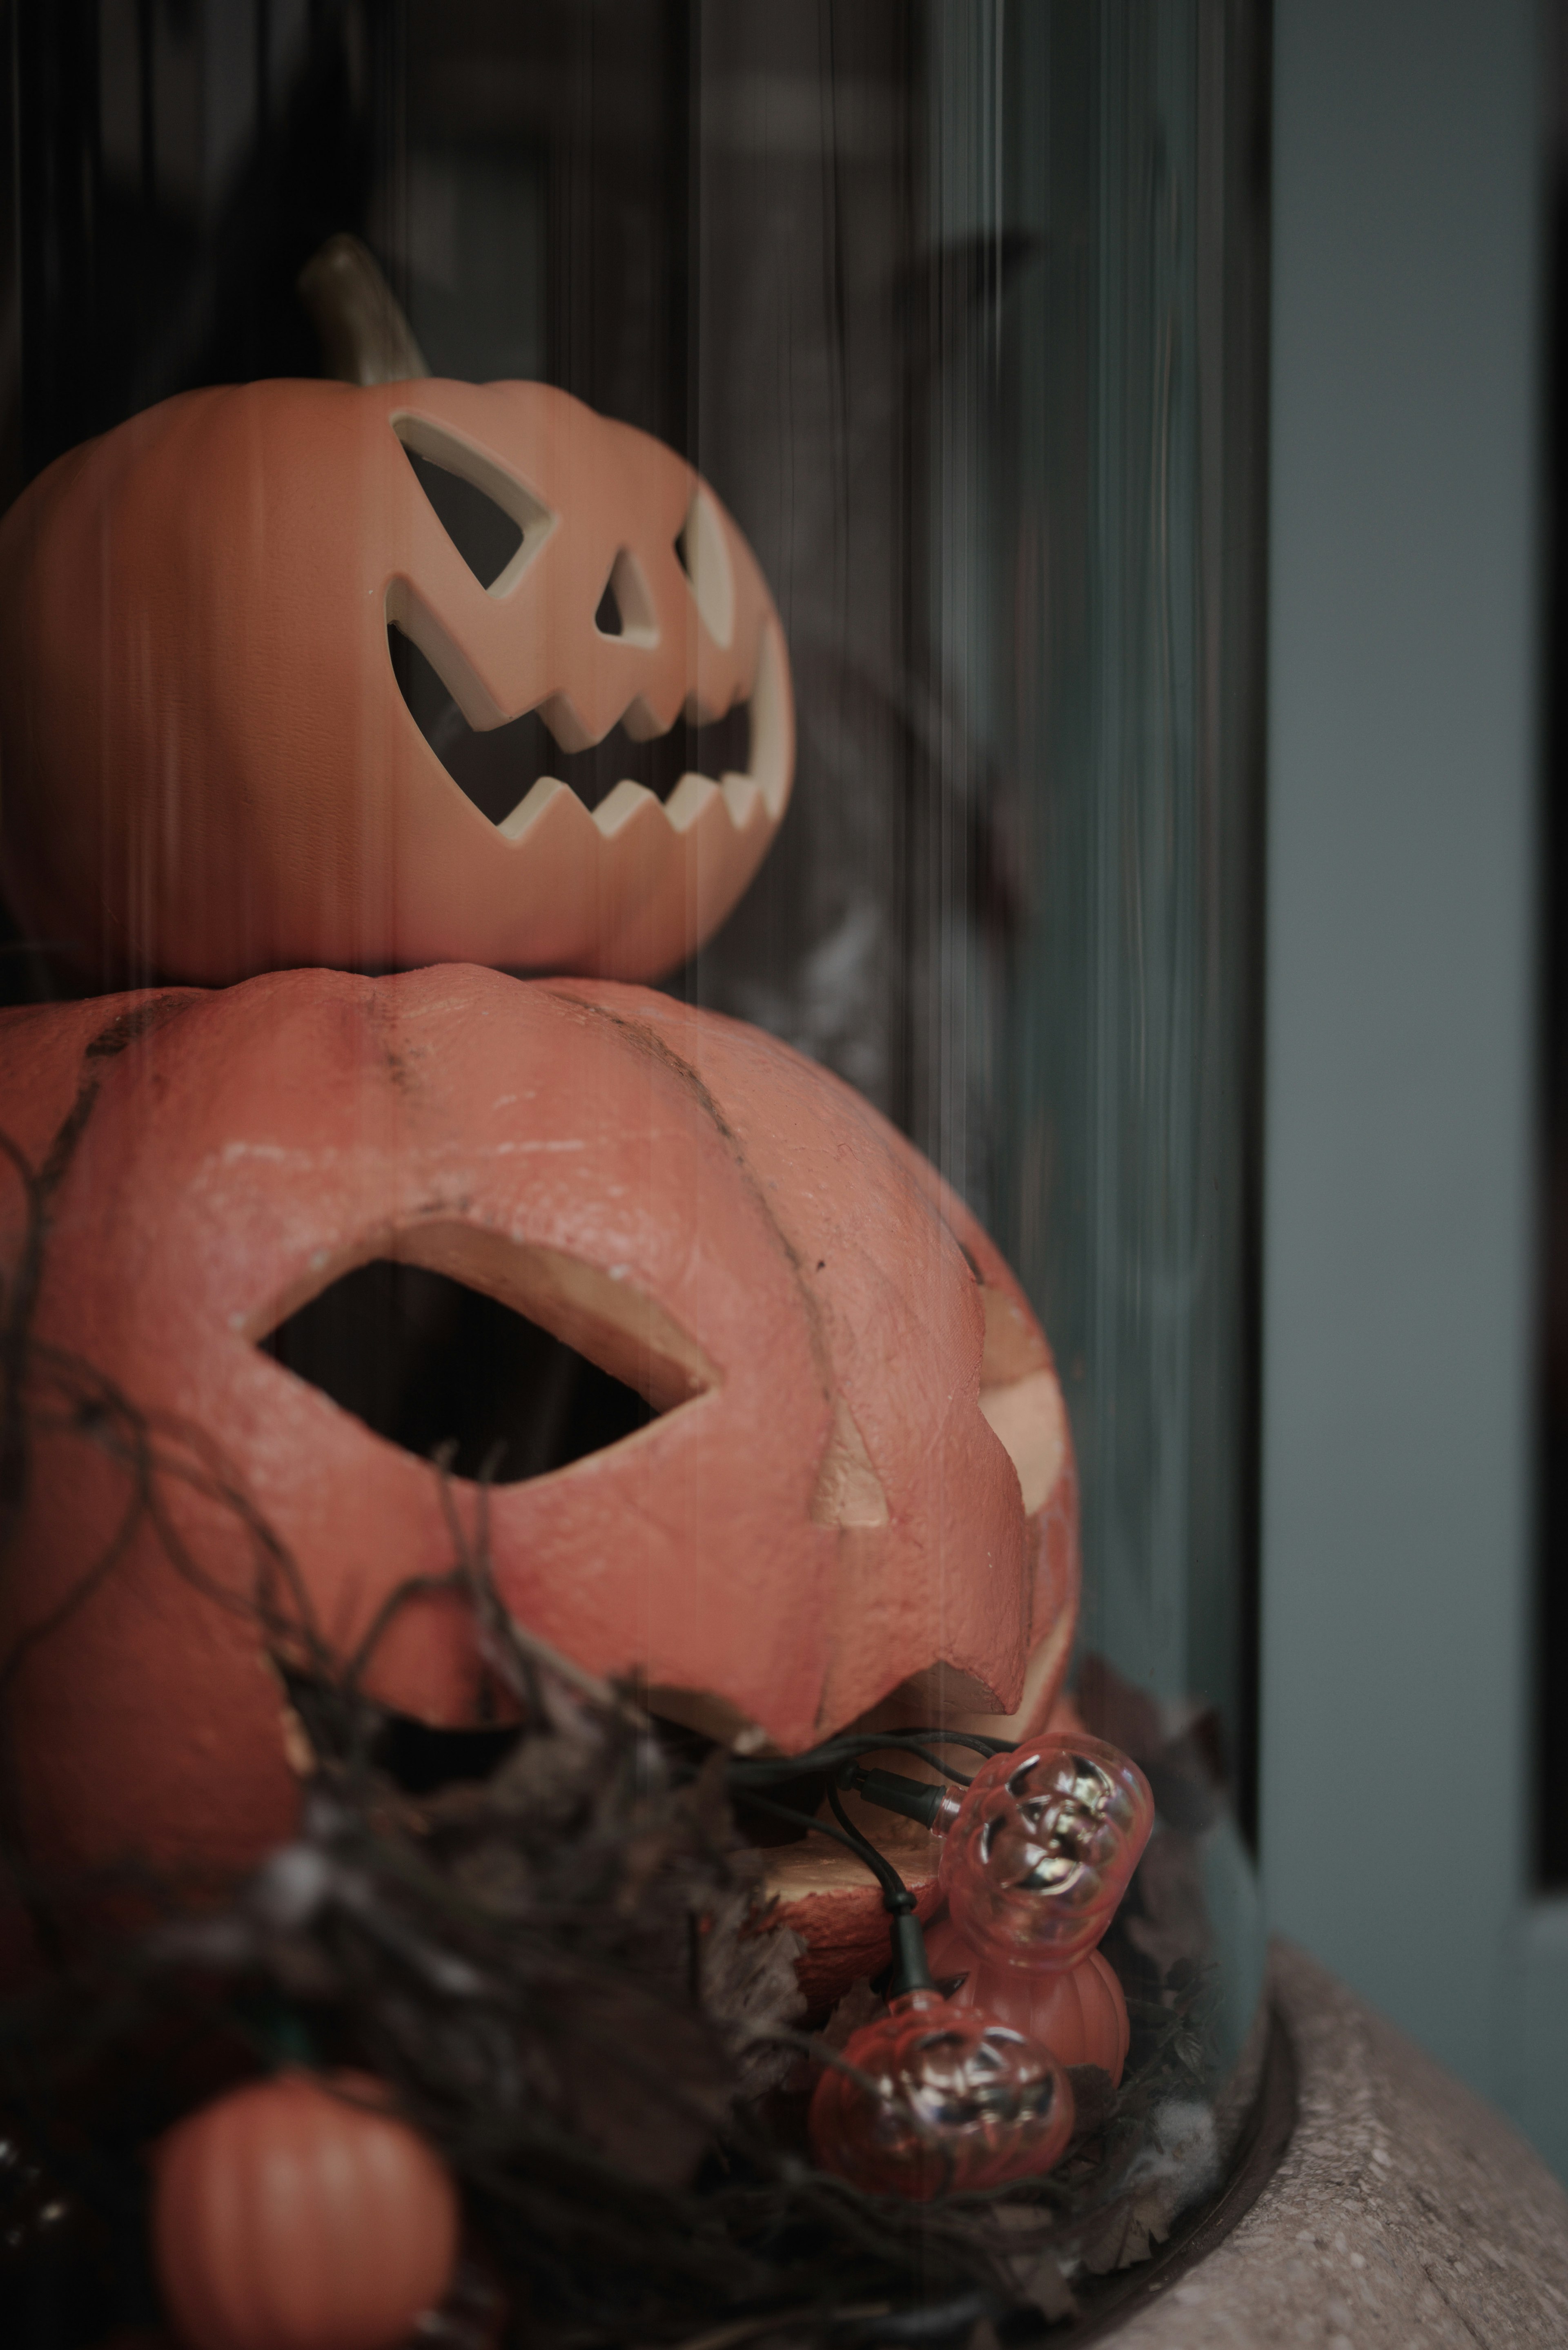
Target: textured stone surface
point(1406, 2214)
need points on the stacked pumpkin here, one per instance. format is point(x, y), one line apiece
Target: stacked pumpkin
point(852, 1504)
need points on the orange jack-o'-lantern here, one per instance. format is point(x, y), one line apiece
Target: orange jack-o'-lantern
point(844, 1488)
point(210, 767)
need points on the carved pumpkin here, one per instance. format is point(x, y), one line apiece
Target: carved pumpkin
point(210, 768)
point(855, 1492)
point(1079, 2012)
point(288, 2215)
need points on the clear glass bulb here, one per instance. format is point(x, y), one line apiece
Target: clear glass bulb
point(961, 2102)
point(1042, 1849)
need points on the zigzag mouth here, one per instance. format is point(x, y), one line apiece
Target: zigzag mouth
point(501, 768)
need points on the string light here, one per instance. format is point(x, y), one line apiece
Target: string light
point(932, 2098)
point(1037, 1851)
point(1042, 1849)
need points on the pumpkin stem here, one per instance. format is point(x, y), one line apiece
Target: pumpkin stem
point(365, 336)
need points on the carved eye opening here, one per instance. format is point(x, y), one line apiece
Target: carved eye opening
point(705, 559)
point(495, 524)
point(523, 1361)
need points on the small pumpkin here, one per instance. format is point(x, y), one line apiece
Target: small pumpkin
point(1079, 2012)
point(854, 1498)
point(210, 768)
point(943, 2099)
point(294, 2214)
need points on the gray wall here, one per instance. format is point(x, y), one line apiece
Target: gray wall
point(1398, 1269)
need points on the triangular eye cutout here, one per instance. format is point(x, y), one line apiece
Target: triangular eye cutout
point(485, 536)
point(626, 608)
point(705, 559)
point(496, 526)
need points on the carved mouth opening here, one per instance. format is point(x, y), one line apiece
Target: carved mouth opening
point(688, 1748)
point(510, 768)
point(498, 767)
point(420, 1757)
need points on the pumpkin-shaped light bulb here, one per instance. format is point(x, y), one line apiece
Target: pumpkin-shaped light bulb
point(958, 2103)
point(292, 2215)
point(1080, 2012)
point(1044, 1846)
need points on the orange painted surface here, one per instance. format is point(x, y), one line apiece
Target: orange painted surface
point(1080, 2012)
point(210, 770)
point(286, 2218)
point(821, 1521)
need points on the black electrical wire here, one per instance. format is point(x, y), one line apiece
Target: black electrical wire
point(909, 1970)
point(748, 1771)
point(747, 1774)
point(896, 1895)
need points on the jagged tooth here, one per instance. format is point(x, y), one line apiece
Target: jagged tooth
point(644, 720)
point(698, 710)
point(688, 800)
point(533, 804)
point(741, 794)
point(570, 729)
point(652, 878)
point(617, 809)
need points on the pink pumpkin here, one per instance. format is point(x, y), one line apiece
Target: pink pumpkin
point(854, 1494)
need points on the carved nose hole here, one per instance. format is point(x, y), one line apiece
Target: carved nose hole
point(626, 608)
point(607, 619)
point(426, 1361)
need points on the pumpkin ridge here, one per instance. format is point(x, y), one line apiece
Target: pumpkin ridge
point(641, 1038)
point(141, 1020)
